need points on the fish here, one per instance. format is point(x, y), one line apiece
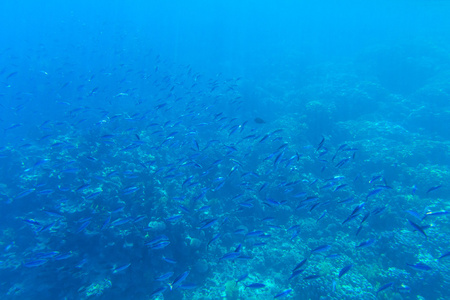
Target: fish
point(178, 280)
point(32, 222)
point(321, 248)
point(378, 210)
point(414, 214)
point(242, 277)
point(35, 263)
point(283, 294)
point(344, 270)
point(82, 187)
point(340, 187)
point(366, 216)
point(384, 287)
point(418, 228)
point(342, 163)
point(125, 143)
point(46, 255)
point(215, 237)
point(164, 276)
point(255, 233)
point(139, 218)
point(169, 260)
point(373, 192)
point(349, 199)
point(208, 223)
point(375, 178)
point(322, 142)
point(46, 227)
point(365, 244)
point(159, 290)
point(63, 256)
point(129, 190)
point(13, 126)
point(159, 245)
point(23, 194)
point(106, 223)
point(264, 138)
point(11, 75)
point(296, 273)
point(230, 256)
point(446, 254)
point(357, 209)
point(403, 289)
point(435, 214)
point(433, 188)
point(300, 264)
point(83, 226)
point(359, 230)
point(174, 218)
point(121, 268)
point(119, 221)
point(158, 239)
point(420, 266)
point(349, 218)
point(255, 286)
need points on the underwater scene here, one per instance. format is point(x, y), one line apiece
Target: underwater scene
point(225, 149)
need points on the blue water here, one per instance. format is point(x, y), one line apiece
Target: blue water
point(224, 150)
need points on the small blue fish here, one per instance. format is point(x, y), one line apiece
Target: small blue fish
point(365, 244)
point(434, 188)
point(321, 248)
point(420, 266)
point(139, 218)
point(242, 277)
point(216, 237)
point(446, 254)
point(230, 256)
point(35, 263)
point(158, 291)
point(208, 223)
point(178, 280)
point(106, 223)
point(299, 265)
point(373, 192)
point(174, 219)
point(129, 190)
point(384, 287)
point(418, 228)
point(122, 268)
point(24, 194)
point(283, 294)
point(169, 260)
point(63, 256)
point(255, 233)
point(414, 214)
point(164, 276)
point(82, 187)
point(255, 286)
point(120, 221)
point(435, 214)
point(83, 226)
point(344, 270)
point(296, 273)
point(159, 245)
